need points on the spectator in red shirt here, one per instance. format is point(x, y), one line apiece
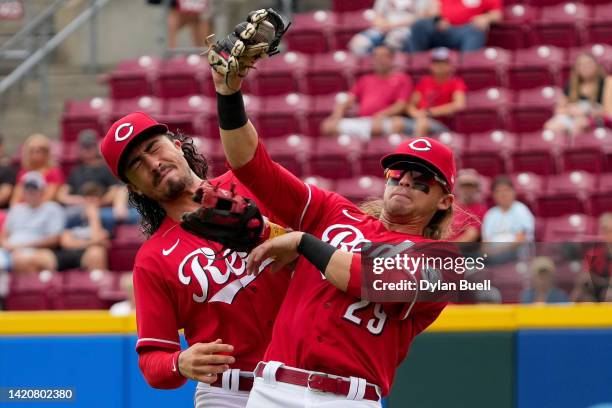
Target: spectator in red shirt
point(36, 156)
point(438, 95)
point(459, 24)
point(380, 96)
point(467, 221)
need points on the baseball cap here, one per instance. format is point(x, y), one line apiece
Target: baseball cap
point(123, 132)
point(33, 180)
point(424, 150)
point(440, 54)
point(88, 138)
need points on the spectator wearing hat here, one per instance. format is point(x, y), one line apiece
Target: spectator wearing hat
point(436, 96)
point(31, 230)
point(542, 287)
point(8, 175)
point(471, 209)
point(458, 24)
point(36, 156)
point(379, 97)
point(92, 169)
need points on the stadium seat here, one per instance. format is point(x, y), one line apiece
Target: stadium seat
point(79, 115)
point(487, 153)
point(201, 110)
point(33, 291)
point(213, 152)
point(181, 76)
point(375, 150)
point(569, 228)
point(282, 115)
point(329, 73)
point(484, 111)
point(349, 24)
point(601, 200)
point(599, 29)
point(538, 152)
point(566, 194)
point(536, 66)
point(546, 3)
point(510, 279)
point(513, 31)
point(321, 182)
point(321, 106)
point(292, 152)
point(561, 25)
point(310, 32)
point(359, 189)
point(528, 187)
point(124, 246)
point(587, 152)
point(80, 289)
point(336, 158)
point(484, 68)
point(278, 76)
point(456, 141)
point(148, 104)
point(532, 109)
point(342, 6)
point(134, 77)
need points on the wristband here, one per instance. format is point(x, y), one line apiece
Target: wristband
point(231, 112)
point(316, 251)
point(175, 363)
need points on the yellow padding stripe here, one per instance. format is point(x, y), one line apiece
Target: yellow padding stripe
point(452, 319)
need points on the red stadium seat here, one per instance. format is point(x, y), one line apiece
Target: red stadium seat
point(280, 75)
point(569, 228)
point(359, 189)
point(601, 200)
point(546, 3)
point(148, 104)
point(80, 289)
point(456, 141)
point(133, 78)
point(566, 194)
point(321, 107)
point(349, 24)
point(310, 32)
point(33, 291)
point(292, 152)
point(329, 73)
point(202, 111)
point(375, 150)
point(561, 25)
point(336, 157)
point(528, 187)
point(213, 152)
point(509, 278)
point(79, 115)
point(484, 68)
point(124, 246)
point(181, 76)
point(538, 152)
point(535, 66)
point(532, 109)
point(282, 115)
point(599, 29)
point(513, 31)
point(587, 152)
point(321, 182)
point(341, 6)
point(484, 111)
point(487, 153)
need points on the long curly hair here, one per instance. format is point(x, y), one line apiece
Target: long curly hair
point(151, 213)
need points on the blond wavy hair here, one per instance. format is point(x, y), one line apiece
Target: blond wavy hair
point(26, 152)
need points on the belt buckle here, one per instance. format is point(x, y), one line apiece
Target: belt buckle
point(309, 379)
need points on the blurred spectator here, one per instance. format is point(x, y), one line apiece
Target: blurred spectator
point(594, 283)
point(31, 230)
point(380, 96)
point(542, 287)
point(84, 241)
point(36, 156)
point(438, 95)
point(195, 14)
point(113, 201)
point(583, 99)
point(459, 24)
point(391, 26)
point(468, 219)
point(8, 174)
point(507, 225)
point(127, 306)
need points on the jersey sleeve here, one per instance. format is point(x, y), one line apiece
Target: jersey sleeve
point(155, 311)
point(460, 85)
point(405, 89)
point(160, 368)
point(298, 205)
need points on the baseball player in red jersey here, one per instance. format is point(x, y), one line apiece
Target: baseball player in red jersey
point(179, 281)
point(326, 338)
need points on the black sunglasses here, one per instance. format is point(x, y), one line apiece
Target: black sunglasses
point(422, 178)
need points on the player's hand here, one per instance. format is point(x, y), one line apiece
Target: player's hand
point(202, 361)
point(222, 86)
point(283, 249)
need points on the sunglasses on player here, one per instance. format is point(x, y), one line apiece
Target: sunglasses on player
point(422, 178)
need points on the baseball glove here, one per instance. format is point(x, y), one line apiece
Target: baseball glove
point(229, 219)
point(256, 38)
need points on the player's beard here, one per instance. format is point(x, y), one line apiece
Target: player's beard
point(175, 187)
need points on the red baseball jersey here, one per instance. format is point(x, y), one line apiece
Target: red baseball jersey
point(459, 12)
point(179, 285)
point(320, 327)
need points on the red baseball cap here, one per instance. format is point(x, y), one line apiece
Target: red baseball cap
point(433, 154)
point(123, 132)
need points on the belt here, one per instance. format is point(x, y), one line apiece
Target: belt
point(320, 382)
point(245, 383)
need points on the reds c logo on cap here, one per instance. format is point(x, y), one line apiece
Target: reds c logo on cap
point(420, 145)
point(120, 129)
